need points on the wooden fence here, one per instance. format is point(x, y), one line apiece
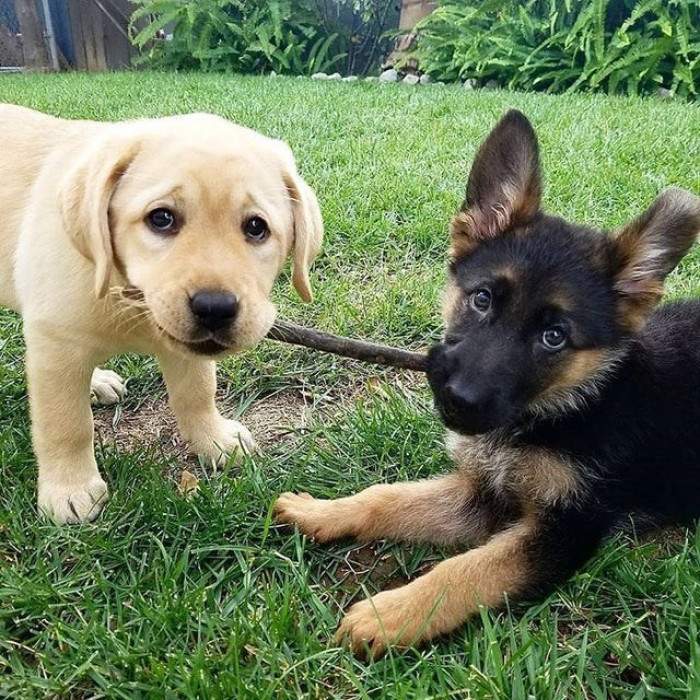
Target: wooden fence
point(99, 34)
point(82, 34)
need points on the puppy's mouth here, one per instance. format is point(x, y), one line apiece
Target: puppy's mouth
point(207, 346)
point(472, 425)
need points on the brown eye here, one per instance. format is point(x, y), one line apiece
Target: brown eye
point(554, 338)
point(256, 229)
point(481, 300)
point(162, 220)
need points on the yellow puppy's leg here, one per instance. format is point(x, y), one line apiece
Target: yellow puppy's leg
point(191, 384)
point(435, 510)
point(71, 489)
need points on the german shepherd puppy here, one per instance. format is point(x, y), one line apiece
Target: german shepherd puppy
point(572, 407)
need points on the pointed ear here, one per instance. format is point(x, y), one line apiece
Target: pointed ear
point(308, 233)
point(85, 194)
point(504, 188)
point(645, 251)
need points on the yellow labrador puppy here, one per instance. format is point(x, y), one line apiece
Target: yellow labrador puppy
point(197, 214)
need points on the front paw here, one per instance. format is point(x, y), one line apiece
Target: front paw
point(106, 388)
point(231, 439)
point(313, 516)
point(390, 618)
point(73, 503)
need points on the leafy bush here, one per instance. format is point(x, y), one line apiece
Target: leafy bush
point(253, 36)
point(248, 36)
point(628, 46)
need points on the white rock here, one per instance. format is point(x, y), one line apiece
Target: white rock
point(439, 82)
point(425, 79)
point(273, 74)
point(664, 93)
point(411, 79)
point(492, 85)
point(470, 84)
point(389, 76)
point(319, 76)
point(334, 76)
point(371, 79)
point(350, 79)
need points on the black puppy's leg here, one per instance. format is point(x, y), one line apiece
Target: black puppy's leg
point(447, 511)
point(529, 558)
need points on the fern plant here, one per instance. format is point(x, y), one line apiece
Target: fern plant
point(616, 46)
point(253, 36)
point(246, 36)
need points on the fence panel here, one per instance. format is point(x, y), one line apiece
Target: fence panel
point(23, 36)
point(83, 34)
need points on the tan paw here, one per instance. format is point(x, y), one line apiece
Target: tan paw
point(106, 388)
point(313, 516)
point(231, 439)
point(390, 618)
point(73, 503)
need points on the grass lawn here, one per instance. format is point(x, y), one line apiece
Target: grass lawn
point(202, 597)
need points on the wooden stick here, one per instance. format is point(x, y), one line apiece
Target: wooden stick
point(348, 347)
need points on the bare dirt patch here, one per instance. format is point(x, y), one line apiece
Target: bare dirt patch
point(278, 417)
point(152, 424)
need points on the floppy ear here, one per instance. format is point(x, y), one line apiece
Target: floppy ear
point(646, 250)
point(85, 194)
point(504, 187)
point(308, 233)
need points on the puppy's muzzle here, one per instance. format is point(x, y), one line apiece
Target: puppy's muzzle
point(469, 400)
point(213, 310)
point(467, 408)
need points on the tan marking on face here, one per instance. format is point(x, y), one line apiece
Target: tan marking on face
point(575, 370)
point(452, 300)
point(509, 274)
point(561, 301)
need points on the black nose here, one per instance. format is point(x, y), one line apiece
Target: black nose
point(462, 397)
point(470, 408)
point(214, 310)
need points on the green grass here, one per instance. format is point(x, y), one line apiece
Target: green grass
point(204, 597)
